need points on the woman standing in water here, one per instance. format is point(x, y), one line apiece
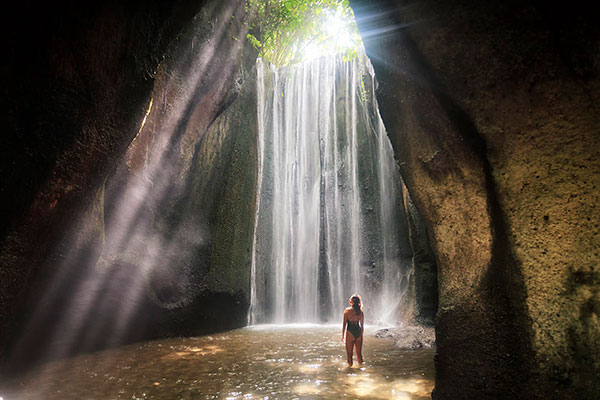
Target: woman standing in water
point(353, 327)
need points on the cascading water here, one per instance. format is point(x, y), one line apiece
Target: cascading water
point(329, 211)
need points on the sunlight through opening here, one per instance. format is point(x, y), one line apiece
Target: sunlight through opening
point(291, 32)
point(339, 35)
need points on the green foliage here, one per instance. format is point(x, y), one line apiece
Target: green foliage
point(285, 31)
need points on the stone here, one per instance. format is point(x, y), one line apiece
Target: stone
point(408, 336)
point(491, 109)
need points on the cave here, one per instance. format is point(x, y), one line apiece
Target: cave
point(174, 186)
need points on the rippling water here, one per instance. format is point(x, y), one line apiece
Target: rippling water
point(262, 362)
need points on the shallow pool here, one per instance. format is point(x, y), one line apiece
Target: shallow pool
point(262, 362)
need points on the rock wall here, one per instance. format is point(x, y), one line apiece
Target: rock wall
point(129, 140)
point(424, 282)
point(189, 175)
point(492, 110)
point(78, 78)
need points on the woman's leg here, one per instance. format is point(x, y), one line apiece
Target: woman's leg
point(349, 346)
point(358, 344)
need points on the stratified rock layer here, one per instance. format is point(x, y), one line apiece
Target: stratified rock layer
point(492, 110)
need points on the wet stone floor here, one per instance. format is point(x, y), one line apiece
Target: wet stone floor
point(263, 362)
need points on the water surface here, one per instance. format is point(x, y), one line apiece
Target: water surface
point(260, 362)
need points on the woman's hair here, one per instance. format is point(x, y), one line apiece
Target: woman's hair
point(356, 303)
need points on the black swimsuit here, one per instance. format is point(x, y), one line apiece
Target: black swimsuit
point(354, 328)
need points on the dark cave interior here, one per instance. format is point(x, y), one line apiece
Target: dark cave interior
point(491, 109)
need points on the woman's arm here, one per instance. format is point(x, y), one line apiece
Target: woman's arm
point(362, 323)
point(344, 327)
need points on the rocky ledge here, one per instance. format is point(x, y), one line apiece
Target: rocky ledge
point(409, 336)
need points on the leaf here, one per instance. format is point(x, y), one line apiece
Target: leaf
point(254, 41)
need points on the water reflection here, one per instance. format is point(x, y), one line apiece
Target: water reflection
point(253, 363)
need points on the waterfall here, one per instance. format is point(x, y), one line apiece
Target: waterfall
point(329, 213)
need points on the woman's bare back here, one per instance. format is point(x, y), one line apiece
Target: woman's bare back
point(352, 316)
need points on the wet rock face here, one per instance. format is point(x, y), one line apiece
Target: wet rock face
point(182, 198)
point(492, 109)
point(78, 79)
point(425, 283)
point(83, 78)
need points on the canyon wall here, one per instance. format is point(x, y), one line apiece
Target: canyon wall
point(492, 111)
point(131, 135)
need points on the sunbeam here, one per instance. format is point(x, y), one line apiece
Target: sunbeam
point(103, 293)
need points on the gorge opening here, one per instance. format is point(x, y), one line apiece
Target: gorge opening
point(138, 239)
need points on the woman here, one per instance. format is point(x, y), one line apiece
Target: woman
point(352, 330)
